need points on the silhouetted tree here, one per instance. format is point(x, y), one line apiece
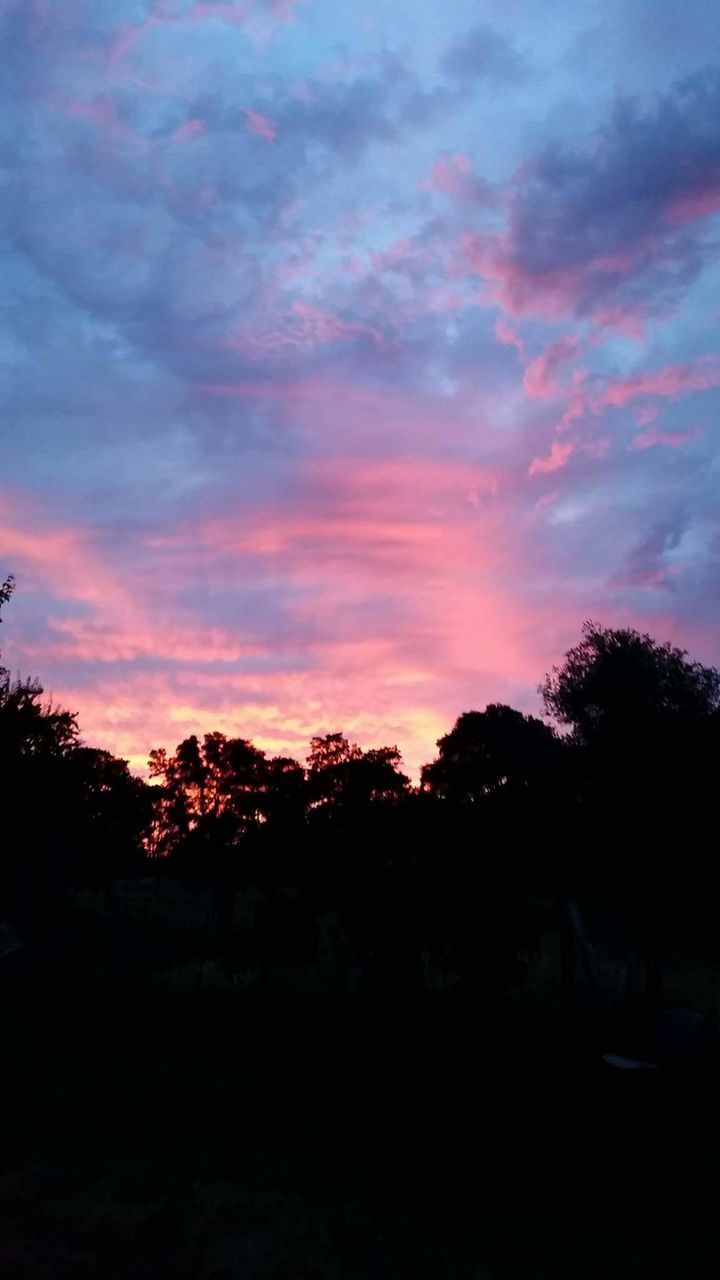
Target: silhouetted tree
point(327, 767)
point(285, 792)
point(6, 589)
point(488, 751)
point(646, 721)
point(213, 791)
point(618, 686)
point(342, 775)
point(646, 718)
point(35, 738)
point(226, 812)
point(79, 812)
point(108, 813)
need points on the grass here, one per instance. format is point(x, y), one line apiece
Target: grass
point(208, 1137)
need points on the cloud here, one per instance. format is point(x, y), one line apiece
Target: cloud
point(558, 457)
point(668, 383)
point(453, 175)
point(484, 54)
point(590, 398)
point(259, 125)
point(647, 565)
point(538, 379)
point(389, 572)
point(189, 129)
point(101, 613)
point(509, 336)
point(617, 227)
point(670, 439)
point(593, 396)
point(302, 330)
point(257, 18)
point(273, 398)
point(148, 202)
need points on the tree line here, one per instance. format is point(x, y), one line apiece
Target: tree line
point(613, 792)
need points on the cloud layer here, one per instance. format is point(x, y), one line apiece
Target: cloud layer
point(349, 363)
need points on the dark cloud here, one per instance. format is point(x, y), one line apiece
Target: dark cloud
point(646, 565)
point(624, 220)
point(163, 210)
point(484, 54)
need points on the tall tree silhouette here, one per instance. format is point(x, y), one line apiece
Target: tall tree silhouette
point(214, 785)
point(616, 686)
point(488, 751)
point(342, 775)
point(646, 720)
point(79, 812)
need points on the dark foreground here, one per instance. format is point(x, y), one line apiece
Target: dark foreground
point(198, 1137)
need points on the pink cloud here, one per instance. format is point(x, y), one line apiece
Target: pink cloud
point(508, 336)
point(279, 712)
point(444, 301)
point(519, 292)
point(396, 571)
point(628, 320)
point(372, 415)
point(585, 399)
point(323, 326)
point(596, 448)
point(190, 129)
point(646, 414)
point(527, 271)
point(101, 111)
point(259, 125)
point(259, 18)
point(547, 500)
point(670, 382)
point(404, 589)
point(576, 405)
point(671, 439)
point(449, 175)
point(407, 254)
point(558, 457)
point(453, 176)
point(538, 378)
point(398, 567)
point(114, 622)
point(694, 205)
point(557, 291)
point(126, 37)
point(304, 327)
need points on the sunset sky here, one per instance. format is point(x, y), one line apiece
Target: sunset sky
point(353, 354)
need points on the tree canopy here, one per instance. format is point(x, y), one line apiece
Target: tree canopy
point(617, 684)
point(487, 751)
point(74, 812)
point(606, 792)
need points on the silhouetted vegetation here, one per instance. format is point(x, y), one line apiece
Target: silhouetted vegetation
point(342, 866)
point(71, 813)
point(187, 1131)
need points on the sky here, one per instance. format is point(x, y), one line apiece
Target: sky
point(353, 355)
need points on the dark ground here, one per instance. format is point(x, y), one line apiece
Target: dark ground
point(210, 1136)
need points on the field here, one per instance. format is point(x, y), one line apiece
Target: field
point(209, 1136)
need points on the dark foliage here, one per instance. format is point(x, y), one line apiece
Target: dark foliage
point(72, 814)
point(380, 885)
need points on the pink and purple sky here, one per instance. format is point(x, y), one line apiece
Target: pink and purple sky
point(353, 354)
